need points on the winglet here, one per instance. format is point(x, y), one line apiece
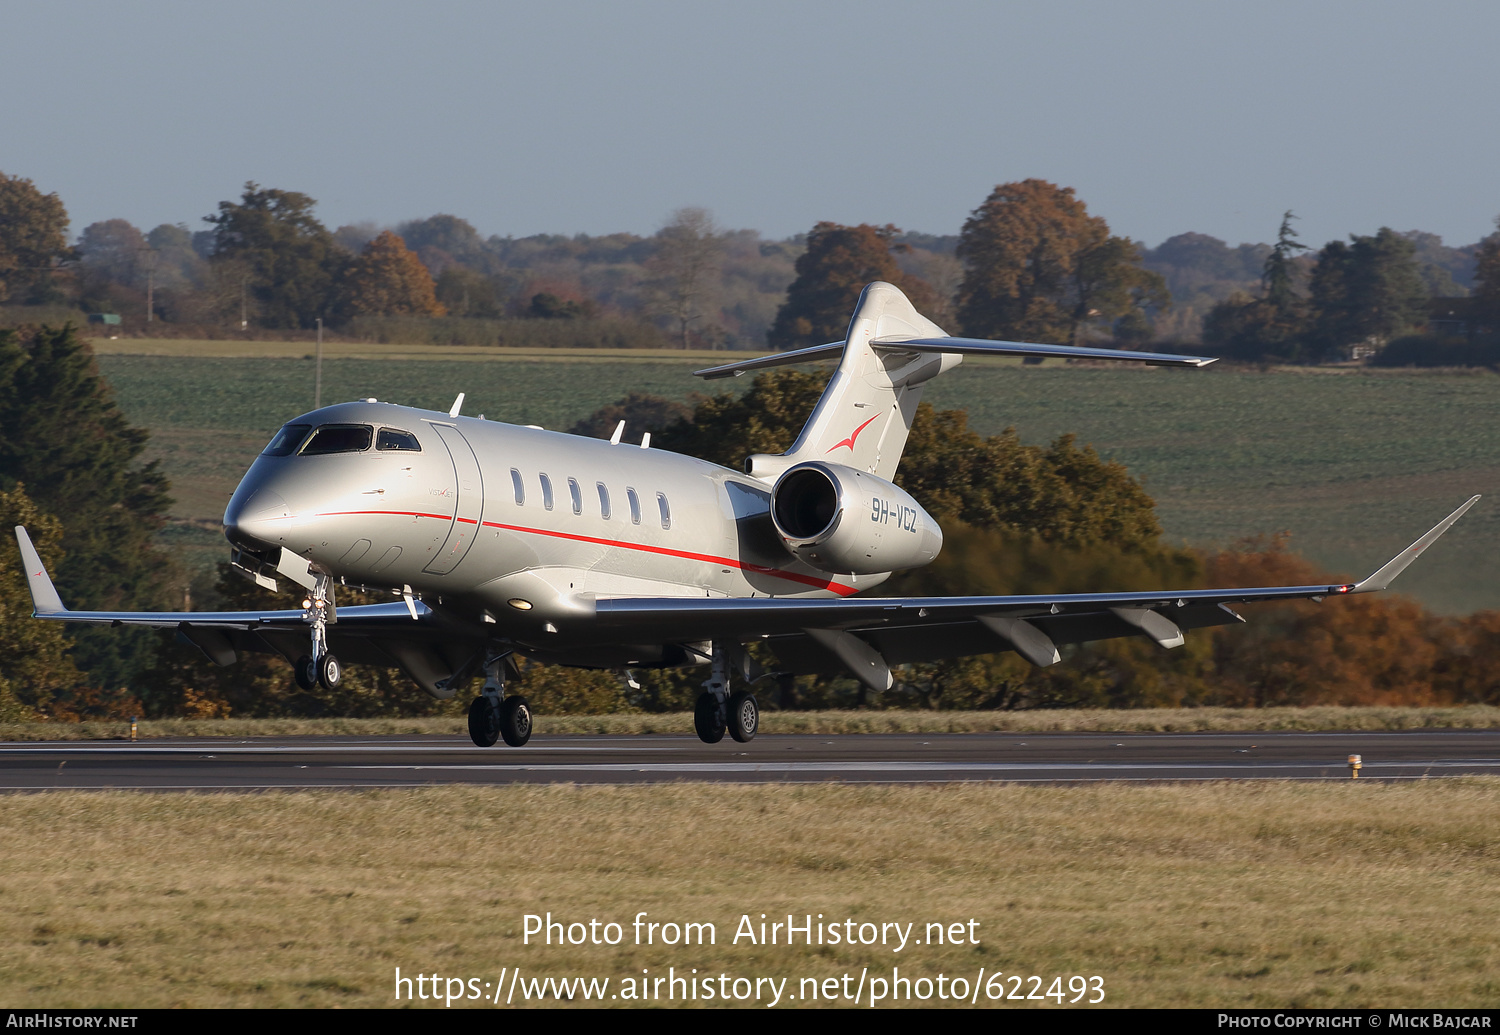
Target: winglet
point(44, 598)
point(1397, 564)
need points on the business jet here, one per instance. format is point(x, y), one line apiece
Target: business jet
point(503, 541)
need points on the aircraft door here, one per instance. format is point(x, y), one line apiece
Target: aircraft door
point(470, 502)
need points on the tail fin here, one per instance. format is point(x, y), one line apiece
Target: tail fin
point(866, 411)
point(890, 353)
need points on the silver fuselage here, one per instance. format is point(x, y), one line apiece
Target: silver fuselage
point(448, 522)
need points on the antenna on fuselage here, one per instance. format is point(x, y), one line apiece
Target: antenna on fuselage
point(458, 404)
point(614, 439)
point(646, 440)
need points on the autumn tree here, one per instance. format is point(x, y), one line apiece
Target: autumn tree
point(683, 274)
point(1038, 267)
point(838, 263)
point(33, 226)
point(287, 259)
point(387, 279)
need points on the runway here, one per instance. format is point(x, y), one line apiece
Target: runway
point(288, 763)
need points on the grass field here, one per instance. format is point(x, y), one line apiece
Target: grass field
point(1209, 895)
point(1052, 720)
point(1354, 464)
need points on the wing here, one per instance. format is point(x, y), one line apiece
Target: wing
point(958, 346)
point(867, 636)
point(430, 647)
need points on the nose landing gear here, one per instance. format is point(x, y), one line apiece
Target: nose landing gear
point(492, 715)
point(320, 668)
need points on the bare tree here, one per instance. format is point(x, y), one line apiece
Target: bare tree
point(685, 270)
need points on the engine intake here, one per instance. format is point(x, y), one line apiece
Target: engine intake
point(848, 522)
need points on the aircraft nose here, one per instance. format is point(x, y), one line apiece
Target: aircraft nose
point(253, 519)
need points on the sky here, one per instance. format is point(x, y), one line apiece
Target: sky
point(580, 117)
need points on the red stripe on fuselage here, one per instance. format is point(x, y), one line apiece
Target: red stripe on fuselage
point(707, 558)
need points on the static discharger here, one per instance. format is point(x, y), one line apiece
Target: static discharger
point(1355, 764)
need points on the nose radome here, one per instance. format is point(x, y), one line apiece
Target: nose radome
point(255, 517)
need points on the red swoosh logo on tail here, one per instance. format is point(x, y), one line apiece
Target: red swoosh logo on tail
point(854, 437)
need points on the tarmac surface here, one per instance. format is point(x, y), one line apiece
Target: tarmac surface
point(413, 761)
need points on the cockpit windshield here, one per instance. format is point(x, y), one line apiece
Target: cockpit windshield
point(338, 438)
point(287, 440)
point(390, 438)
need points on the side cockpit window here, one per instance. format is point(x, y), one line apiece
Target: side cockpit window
point(390, 438)
point(338, 438)
point(287, 440)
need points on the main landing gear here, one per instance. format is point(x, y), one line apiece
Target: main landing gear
point(717, 711)
point(320, 668)
point(493, 716)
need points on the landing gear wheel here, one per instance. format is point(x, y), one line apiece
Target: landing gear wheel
point(305, 673)
point(515, 721)
point(744, 717)
point(484, 722)
point(329, 672)
point(708, 719)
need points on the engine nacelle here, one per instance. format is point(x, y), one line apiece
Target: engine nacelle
point(848, 522)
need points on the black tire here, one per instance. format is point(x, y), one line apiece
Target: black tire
point(744, 717)
point(305, 673)
point(484, 722)
point(708, 720)
point(515, 721)
point(329, 672)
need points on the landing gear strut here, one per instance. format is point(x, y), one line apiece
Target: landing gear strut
point(320, 668)
point(492, 715)
point(717, 711)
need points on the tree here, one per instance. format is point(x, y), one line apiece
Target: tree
point(443, 241)
point(33, 226)
point(466, 293)
point(1039, 267)
point(684, 271)
point(1278, 275)
point(34, 663)
point(289, 258)
point(1269, 327)
point(113, 249)
point(1368, 290)
point(838, 263)
point(1487, 278)
point(641, 412)
point(63, 437)
point(387, 279)
point(1058, 494)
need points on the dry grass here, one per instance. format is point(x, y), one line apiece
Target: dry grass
point(1145, 720)
point(1205, 895)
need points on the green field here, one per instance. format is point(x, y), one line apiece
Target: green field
point(1353, 464)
